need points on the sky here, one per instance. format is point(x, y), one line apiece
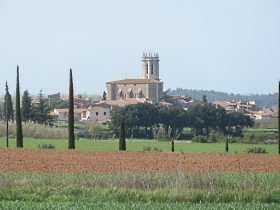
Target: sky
point(223, 45)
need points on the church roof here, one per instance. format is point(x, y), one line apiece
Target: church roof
point(123, 102)
point(134, 81)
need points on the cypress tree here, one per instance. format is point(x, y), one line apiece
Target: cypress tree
point(71, 136)
point(7, 125)
point(8, 112)
point(104, 96)
point(279, 117)
point(172, 146)
point(122, 144)
point(227, 144)
point(8, 105)
point(18, 114)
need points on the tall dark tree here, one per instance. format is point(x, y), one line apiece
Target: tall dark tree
point(18, 114)
point(8, 106)
point(172, 146)
point(27, 108)
point(7, 126)
point(2, 110)
point(204, 99)
point(71, 136)
point(279, 117)
point(122, 143)
point(227, 139)
point(104, 96)
point(8, 112)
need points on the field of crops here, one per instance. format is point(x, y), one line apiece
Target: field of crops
point(93, 204)
point(97, 176)
point(140, 191)
point(136, 145)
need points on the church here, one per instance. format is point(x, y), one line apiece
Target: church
point(148, 88)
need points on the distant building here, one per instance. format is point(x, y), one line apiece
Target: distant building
point(149, 87)
point(54, 96)
point(93, 114)
point(246, 107)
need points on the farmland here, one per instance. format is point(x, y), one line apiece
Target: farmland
point(97, 176)
point(23, 160)
point(141, 190)
point(137, 145)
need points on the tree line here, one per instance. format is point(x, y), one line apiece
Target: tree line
point(146, 120)
point(36, 112)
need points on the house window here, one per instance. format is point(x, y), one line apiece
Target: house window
point(105, 113)
point(96, 113)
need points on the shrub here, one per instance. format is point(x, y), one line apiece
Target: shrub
point(34, 130)
point(46, 146)
point(151, 149)
point(255, 137)
point(199, 139)
point(160, 133)
point(231, 139)
point(95, 130)
point(256, 150)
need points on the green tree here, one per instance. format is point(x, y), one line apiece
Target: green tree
point(58, 104)
point(8, 110)
point(174, 119)
point(236, 121)
point(27, 108)
point(71, 136)
point(202, 117)
point(122, 143)
point(41, 111)
point(136, 116)
point(18, 114)
point(206, 117)
point(95, 130)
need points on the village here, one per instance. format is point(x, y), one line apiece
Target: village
point(149, 89)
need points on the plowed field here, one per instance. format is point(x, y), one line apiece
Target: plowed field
point(22, 160)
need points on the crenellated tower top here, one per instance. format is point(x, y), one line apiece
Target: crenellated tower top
point(150, 66)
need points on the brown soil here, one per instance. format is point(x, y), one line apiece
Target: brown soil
point(23, 160)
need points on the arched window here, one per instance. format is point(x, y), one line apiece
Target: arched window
point(139, 94)
point(119, 94)
point(129, 93)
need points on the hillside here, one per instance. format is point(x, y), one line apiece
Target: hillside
point(263, 100)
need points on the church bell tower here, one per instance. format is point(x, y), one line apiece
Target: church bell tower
point(150, 66)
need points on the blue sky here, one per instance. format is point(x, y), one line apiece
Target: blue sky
point(223, 45)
